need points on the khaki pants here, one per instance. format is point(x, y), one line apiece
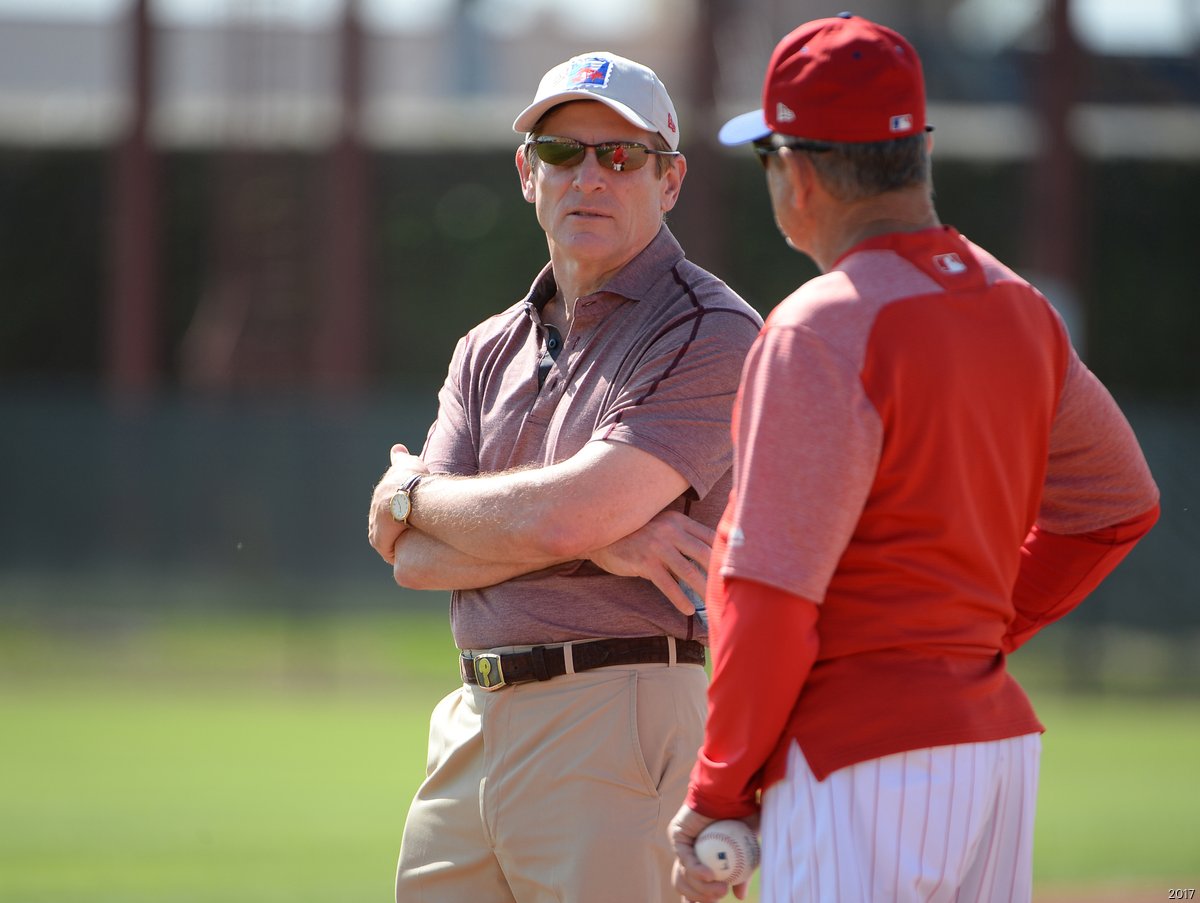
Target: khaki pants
point(555, 791)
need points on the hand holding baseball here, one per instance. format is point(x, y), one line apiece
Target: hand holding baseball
point(695, 838)
point(730, 848)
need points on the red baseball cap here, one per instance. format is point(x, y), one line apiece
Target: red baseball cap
point(844, 79)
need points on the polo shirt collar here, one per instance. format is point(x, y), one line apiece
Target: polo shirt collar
point(636, 279)
point(543, 289)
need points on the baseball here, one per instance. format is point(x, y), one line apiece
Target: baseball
point(729, 848)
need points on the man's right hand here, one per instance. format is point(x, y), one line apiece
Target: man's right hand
point(670, 547)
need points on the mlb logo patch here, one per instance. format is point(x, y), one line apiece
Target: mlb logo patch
point(950, 264)
point(593, 72)
point(901, 123)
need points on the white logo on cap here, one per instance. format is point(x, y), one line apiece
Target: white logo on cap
point(901, 123)
point(950, 263)
point(783, 113)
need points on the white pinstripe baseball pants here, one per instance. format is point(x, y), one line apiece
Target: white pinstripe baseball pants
point(950, 823)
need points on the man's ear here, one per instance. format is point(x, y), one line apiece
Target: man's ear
point(800, 174)
point(671, 181)
point(525, 173)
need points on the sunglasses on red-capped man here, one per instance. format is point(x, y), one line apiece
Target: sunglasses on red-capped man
point(774, 143)
point(620, 156)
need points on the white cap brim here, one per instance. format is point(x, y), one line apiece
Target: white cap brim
point(531, 114)
point(745, 128)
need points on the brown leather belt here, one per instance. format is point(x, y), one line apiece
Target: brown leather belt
point(493, 670)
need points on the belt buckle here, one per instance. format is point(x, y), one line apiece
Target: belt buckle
point(488, 672)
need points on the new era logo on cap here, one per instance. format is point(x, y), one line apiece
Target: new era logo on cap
point(592, 71)
point(783, 113)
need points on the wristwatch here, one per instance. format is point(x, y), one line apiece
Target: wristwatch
point(402, 500)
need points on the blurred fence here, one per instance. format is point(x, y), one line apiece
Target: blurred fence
point(273, 495)
point(270, 494)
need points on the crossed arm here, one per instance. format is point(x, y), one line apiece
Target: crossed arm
point(606, 504)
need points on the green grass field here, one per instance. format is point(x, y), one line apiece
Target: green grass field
point(265, 759)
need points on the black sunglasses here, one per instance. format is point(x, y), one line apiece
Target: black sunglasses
point(772, 144)
point(620, 156)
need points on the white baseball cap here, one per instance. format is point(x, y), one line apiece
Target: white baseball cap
point(630, 88)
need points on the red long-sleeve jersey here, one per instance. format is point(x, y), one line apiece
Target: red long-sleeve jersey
point(925, 474)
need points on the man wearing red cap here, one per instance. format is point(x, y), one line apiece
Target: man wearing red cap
point(925, 475)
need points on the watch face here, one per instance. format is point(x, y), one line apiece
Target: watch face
point(401, 506)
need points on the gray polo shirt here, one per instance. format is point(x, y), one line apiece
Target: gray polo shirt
point(653, 360)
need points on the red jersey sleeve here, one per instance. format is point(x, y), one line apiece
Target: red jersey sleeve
point(1058, 571)
point(751, 697)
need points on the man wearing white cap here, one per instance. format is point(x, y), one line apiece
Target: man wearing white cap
point(567, 493)
point(925, 476)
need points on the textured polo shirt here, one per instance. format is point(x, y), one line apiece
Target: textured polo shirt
point(653, 360)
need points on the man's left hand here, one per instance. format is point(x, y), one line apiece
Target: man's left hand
point(382, 529)
point(671, 547)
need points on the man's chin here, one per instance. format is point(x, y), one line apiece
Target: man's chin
point(598, 238)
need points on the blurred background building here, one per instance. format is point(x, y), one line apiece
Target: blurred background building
point(239, 238)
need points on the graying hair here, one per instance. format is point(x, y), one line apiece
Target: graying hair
point(855, 172)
